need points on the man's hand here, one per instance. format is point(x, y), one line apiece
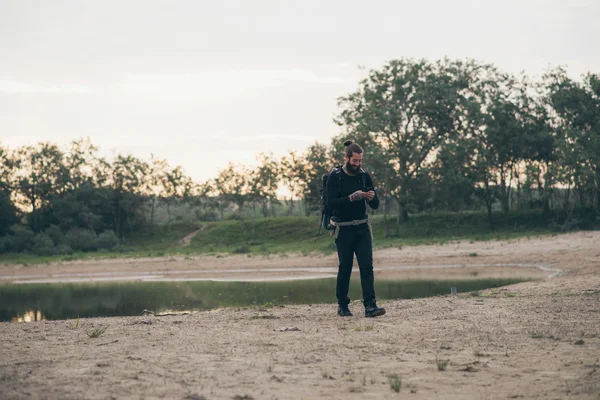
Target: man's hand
point(358, 195)
point(369, 195)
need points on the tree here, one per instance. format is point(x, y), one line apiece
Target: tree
point(8, 211)
point(87, 206)
point(127, 177)
point(38, 174)
point(264, 181)
point(454, 178)
point(504, 135)
point(232, 184)
point(176, 186)
point(409, 107)
point(577, 106)
point(294, 177)
point(540, 147)
point(6, 168)
point(319, 160)
point(78, 165)
point(154, 184)
point(500, 129)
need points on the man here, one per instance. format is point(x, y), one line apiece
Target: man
point(348, 190)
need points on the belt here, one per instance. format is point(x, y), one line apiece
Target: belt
point(355, 222)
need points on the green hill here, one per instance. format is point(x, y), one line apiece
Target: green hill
point(299, 235)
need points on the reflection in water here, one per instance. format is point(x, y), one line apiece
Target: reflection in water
point(29, 316)
point(36, 302)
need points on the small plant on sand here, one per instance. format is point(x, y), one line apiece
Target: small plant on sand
point(441, 364)
point(97, 332)
point(395, 383)
point(359, 328)
point(76, 326)
point(267, 316)
point(541, 335)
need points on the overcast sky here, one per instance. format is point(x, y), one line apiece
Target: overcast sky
point(201, 83)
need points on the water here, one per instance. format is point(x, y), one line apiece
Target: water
point(55, 301)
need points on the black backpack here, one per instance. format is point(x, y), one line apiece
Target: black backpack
point(326, 212)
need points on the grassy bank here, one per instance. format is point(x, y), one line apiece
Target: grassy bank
point(299, 235)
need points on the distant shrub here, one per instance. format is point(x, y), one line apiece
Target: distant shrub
point(81, 240)
point(206, 216)
point(7, 244)
point(8, 211)
point(55, 233)
point(22, 238)
point(242, 250)
point(63, 249)
point(43, 245)
point(107, 240)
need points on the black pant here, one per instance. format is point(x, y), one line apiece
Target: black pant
point(355, 240)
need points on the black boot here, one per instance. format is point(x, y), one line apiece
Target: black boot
point(344, 311)
point(371, 310)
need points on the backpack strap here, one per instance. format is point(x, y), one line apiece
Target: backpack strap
point(337, 170)
point(339, 173)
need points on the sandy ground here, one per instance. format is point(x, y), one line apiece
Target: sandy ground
point(536, 340)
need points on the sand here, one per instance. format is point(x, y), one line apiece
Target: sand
point(538, 339)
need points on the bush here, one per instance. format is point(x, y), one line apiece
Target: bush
point(81, 240)
point(43, 245)
point(233, 217)
point(107, 240)
point(7, 244)
point(54, 232)
point(206, 216)
point(63, 249)
point(8, 211)
point(242, 250)
point(22, 238)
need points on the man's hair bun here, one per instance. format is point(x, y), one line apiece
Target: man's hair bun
point(351, 147)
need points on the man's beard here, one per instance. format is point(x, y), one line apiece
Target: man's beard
point(351, 168)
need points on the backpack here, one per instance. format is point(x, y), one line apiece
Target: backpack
point(326, 212)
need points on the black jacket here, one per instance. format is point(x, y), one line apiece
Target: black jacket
point(340, 185)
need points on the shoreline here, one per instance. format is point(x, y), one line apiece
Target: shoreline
point(534, 340)
point(472, 271)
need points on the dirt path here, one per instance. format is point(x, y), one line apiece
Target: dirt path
point(537, 340)
point(185, 242)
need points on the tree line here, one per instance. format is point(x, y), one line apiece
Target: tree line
point(449, 135)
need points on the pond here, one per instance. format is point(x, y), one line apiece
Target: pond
point(54, 301)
